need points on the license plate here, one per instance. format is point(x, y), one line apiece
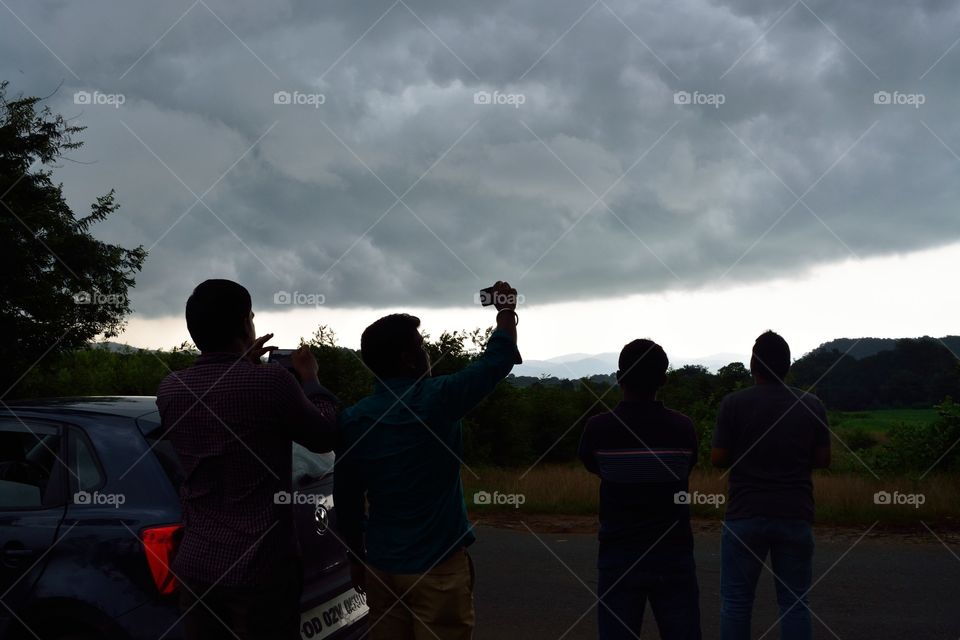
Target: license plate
point(337, 613)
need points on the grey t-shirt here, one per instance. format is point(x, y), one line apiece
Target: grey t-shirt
point(771, 432)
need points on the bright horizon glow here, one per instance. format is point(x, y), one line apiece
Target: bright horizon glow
point(891, 297)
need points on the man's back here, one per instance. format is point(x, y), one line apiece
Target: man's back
point(232, 423)
point(772, 432)
point(643, 453)
point(401, 447)
point(409, 458)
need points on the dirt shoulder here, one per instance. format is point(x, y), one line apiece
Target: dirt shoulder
point(948, 532)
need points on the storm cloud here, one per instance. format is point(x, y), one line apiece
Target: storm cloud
point(384, 152)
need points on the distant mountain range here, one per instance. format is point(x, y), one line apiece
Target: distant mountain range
point(581, 365)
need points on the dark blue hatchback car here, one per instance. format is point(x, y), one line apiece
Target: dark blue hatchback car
point(90, 521)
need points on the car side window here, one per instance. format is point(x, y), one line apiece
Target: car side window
point(31, 465)
point(85, 474)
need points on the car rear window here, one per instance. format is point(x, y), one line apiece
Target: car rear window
point(168, 459)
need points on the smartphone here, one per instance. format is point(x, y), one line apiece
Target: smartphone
point(282, 357)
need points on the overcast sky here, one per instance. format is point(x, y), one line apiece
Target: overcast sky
point(692, 171)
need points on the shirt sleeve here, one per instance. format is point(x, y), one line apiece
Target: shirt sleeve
point(587, 449)
point(822, 439)
point(459, 392)
point(349, 498)
point(307, 413)
point(695, 452)
point(724, 435)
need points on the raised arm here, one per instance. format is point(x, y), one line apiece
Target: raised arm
point(310, 415)
point(459, 392)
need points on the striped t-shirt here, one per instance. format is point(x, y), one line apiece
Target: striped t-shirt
point(643, 453)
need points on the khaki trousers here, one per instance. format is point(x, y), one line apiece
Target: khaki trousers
point(427, 606)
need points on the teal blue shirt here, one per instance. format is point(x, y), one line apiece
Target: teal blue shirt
point(400, 448)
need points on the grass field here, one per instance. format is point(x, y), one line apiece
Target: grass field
point(843, 499)
point(844, 495)
point(882, 420)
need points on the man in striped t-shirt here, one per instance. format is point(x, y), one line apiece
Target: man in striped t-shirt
point(643, 453)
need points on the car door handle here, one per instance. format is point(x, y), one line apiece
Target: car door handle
point(15, 554)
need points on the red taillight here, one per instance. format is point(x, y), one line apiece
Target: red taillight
point(160, 545)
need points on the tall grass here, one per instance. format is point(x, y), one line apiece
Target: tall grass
point(844, 499)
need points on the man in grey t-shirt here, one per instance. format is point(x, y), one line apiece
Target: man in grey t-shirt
point(771, 437)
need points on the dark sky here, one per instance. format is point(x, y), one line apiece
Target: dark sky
point(584, 178)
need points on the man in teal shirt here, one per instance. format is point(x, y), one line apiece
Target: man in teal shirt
point(399, 454)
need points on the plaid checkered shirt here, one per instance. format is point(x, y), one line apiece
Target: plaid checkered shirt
point(232, 423)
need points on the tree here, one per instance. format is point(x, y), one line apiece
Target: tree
point(61, 287)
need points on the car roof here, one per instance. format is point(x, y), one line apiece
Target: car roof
point(142, 409)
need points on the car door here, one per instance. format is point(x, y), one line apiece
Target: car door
point(32, 506)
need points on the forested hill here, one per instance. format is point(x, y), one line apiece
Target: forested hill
point(908, 373)
point(860, 348)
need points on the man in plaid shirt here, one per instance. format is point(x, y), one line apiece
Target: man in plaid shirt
point(232, 421)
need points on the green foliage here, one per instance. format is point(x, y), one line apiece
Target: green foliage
point(341, 369)
point(924, 447)
point(97, 371)
point(857, 438)
point(914, 373)
point(542, 421)
point(48, 257)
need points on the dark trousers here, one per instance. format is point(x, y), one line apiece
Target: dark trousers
point(257, 612)
point(665, 579)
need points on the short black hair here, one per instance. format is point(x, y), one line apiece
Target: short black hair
point(382, 343)
point(216, 313)
point(771, 356)
point(643, 365)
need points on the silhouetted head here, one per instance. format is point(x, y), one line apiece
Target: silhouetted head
point(771, 358)
point(643, 367)
point(392, 347)
point(220, 317)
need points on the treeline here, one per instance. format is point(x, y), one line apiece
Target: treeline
point(518, 425)
point(915, 373)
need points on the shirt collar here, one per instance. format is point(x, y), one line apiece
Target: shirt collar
point(395, 385)
point(644, 405)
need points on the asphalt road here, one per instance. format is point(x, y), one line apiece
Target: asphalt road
point(542, 587)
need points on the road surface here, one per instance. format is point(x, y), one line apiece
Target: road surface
point(541, 586)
